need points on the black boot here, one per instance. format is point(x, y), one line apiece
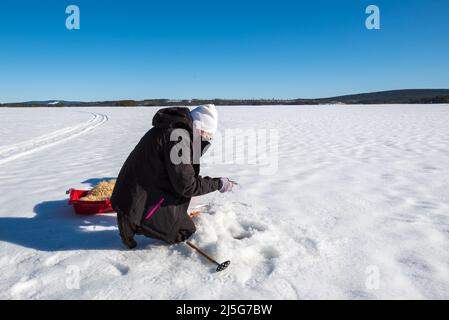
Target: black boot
point(127, 231)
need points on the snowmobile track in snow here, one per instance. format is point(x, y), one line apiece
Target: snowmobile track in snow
point(12, 152)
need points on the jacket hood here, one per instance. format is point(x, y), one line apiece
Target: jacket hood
point(174, 117)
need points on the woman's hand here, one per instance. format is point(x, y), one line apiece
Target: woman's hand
point(227, 185)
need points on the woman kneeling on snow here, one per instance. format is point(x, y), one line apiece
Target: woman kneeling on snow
point(154, 188)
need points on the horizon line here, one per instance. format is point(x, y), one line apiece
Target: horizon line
point(215, 98)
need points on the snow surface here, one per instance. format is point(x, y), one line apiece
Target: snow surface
point(358, 208)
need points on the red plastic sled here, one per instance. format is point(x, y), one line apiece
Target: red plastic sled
point(87, 207)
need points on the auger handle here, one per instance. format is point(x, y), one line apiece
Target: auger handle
point(204, 254)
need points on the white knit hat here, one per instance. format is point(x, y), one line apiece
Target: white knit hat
point(205, 118)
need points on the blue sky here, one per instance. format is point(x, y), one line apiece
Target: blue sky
point(221, 48)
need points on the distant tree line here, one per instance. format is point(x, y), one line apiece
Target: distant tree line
point(424, 96)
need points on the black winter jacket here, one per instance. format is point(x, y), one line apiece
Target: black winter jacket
point(154, 193)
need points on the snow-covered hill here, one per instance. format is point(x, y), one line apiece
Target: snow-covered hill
point(357, 208)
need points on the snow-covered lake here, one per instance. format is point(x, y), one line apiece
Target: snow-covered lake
point(358, 208)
